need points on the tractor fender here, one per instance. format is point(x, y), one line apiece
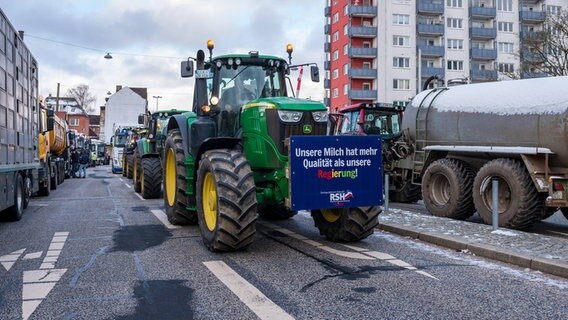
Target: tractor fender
point(217, 143)
point(179, 121)
point(142, 150)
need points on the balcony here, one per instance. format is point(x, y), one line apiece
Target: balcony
point(327, 29)
point(483, 33)
point(533, 36)
point(363, 11)
point(326, 83)
point(327, 11)
point(363, 73)
point(363, 95)
point(483, 54)
point(327, 65)
point(483, 75)
point(432, 71)
point(429, 8)
point(363, 52)
point(363, 32)
point(478, 12)
point(533, 74)
point(327, 47)
point(430, 29)
point(532, 57)
point(531, 16)
point(431, 51)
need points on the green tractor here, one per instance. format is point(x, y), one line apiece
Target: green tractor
point(128, 154)
point(147, 154)
point(226, 162)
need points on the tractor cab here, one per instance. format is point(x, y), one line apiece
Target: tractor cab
point(382, 119)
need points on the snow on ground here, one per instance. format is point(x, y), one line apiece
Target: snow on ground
point(504, 232)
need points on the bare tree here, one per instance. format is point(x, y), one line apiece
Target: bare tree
point(83, 96)
point(545, 51)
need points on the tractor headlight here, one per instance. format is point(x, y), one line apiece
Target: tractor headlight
point(320, 116)
point(214, 100)
point(289, 116)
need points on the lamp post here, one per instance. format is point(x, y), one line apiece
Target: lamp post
point(157, 97)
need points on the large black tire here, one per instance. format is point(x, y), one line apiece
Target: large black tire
point(45, 191)
point(175, 197)
point(405, 192)
point(151, 178)
point(226, 200)
point(520, 205)
point(137, 171)
point(27, 191)
point(273, 212)
point(124, 164)
point(16, 211)
point(54, 180)
point(347, 224)
point(564, 212)
point(446, 189)
point(129, 166)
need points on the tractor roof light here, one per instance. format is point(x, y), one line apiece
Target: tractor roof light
point(210, 46)
point(289, 50)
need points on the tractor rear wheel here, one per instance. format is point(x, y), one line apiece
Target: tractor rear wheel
point(136, 180)
point(226, 200)
point(129, 165)
point(273, 212)
point(175, 198)
point(151, 178)
point(346, 224)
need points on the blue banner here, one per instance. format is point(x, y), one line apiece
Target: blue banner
point(335, 172)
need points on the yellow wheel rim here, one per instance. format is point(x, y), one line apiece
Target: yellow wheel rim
point(209, 200)
point(142, 177)
point(170, 177)
point(135, 173)
point(331, 215)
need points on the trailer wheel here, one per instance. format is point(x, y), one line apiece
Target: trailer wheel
point(136, 171)
point(54, 180)
point(151, 178)
point(16, 211)
point(129, 166)
point(46, 190)
point(226, 200)
point(347, 224)
point(27, 191)
point(273, 212)
point(446, 189)
point(520, 205)
point(175, 198)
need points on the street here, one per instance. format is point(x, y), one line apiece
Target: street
point(94, 249)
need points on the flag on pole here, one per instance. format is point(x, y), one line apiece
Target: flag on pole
point(299, 82)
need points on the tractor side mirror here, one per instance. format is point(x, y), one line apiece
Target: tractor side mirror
point(314, 72)
point(141, 119)
point(187, 69)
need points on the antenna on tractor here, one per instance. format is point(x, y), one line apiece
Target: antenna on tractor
point(289, 49)
point(210, 46)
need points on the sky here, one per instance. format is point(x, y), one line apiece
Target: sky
point(149, 38)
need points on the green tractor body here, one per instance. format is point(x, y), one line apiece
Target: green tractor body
point(226, 161)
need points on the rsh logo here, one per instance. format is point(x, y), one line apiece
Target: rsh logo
point(340, 196)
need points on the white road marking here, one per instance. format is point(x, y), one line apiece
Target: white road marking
point(38, 283)
point(257, 302)
point(139, 196)
point(161, 215)
point(33, 255)
point(361, 253)
point(120, 179)
point(8, 260)
point(127, 185)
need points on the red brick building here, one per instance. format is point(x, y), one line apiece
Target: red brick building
point(70, 110)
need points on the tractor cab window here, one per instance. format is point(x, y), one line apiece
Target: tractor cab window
point(349, 123)
point(381, 123)
point(120, 140)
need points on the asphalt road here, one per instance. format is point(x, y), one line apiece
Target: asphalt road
point(96, 250)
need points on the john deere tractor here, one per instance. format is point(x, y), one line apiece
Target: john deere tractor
point(147, 154)
point(128, 154)
point(228, 158)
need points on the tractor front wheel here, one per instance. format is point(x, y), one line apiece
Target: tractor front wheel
point(346, 224)
point(151, 178)
point(226, 200)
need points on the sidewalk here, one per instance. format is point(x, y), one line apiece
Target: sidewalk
point(528, 250)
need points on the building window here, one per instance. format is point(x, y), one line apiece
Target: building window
point(455, 3)
point(505, 5)
point(345, 29)
point(506, 47)
point(505, 26)
point(345, 49)
point(346, 10)
point(401, 84)
point(345, 89)
point(455, 23)
point(553, 9)
point(400, 62)
point(401, 41)
point(366, 86)
point(335, 92)
point(366, 44)
point(74, 122)
point(335, 36)
point(456, 44)
point(345, 68)
point(366, 65)
point(456, 65)
point(335, 55)
point(506, 67)
point(402, 19)
point(335, 73)
point(335, 17)
point(400, 103)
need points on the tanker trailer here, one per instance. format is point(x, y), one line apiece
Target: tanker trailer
point(512, 131)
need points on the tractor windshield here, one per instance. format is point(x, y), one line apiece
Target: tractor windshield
point(383, 123)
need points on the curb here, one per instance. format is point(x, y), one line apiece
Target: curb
point(554, 267)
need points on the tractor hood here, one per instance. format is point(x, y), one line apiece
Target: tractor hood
point(287, 103)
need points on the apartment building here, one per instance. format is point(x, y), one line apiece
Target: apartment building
point(385, 50)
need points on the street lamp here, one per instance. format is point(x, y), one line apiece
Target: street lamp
point(157, 97)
